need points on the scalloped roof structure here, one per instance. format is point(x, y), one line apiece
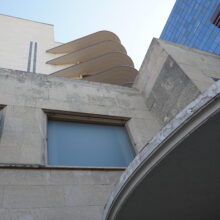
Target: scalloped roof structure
point(97, 57)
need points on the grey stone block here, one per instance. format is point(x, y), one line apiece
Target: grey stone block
point(83, 177)
point(141, 131)
point(25, 214)
point(4, 214)
point(87, 195)
point(73, 213)
point(23, 138)
point(166, 98)
point(33, 196)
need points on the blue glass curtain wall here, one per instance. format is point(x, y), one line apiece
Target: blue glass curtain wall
point(190, 24)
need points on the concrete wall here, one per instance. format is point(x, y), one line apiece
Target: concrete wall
point(26, 95)
point(41, 194)
point(200, 66)
point(172, 76)
point(35, 191)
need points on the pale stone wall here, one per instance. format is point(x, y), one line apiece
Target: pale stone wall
point(15, 40)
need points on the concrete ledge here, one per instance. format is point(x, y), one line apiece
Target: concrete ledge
point(39, 166)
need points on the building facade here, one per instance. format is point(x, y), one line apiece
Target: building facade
point(66, 144)
point(43, 179)
point(190, 24)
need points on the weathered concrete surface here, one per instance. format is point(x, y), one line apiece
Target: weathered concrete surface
point(23, 136)
point(172, 76)
point(23, 123)
point(143, 130)
point(41, 91)
point(162, 89)
point(54, 194)
point(200, 66)
point(171, 92)
point(169, 138)
point(29, 194)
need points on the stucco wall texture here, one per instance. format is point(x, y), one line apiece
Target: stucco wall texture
point(15, 44)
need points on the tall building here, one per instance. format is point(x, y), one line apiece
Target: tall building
point(191, 23)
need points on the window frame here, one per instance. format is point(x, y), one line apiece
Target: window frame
point(2, 106)
point(1, 117)
point(87, 118)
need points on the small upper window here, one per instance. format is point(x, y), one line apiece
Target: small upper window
point(88, 145)
point(216, 17)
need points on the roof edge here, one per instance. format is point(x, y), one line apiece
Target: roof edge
point(11, 16)
point(84, 37)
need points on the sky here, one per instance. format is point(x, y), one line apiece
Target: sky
point(135, 22)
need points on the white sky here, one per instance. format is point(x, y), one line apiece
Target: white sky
point(136, 22)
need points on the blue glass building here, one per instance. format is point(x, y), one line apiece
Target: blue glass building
point(190, 24)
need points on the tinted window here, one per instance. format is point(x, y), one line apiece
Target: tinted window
point(80, 144)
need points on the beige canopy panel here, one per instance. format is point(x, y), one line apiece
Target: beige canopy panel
point(98, 57)
point(87, 53)
point(119, 75)
point(84, 42)
point(96, 65)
